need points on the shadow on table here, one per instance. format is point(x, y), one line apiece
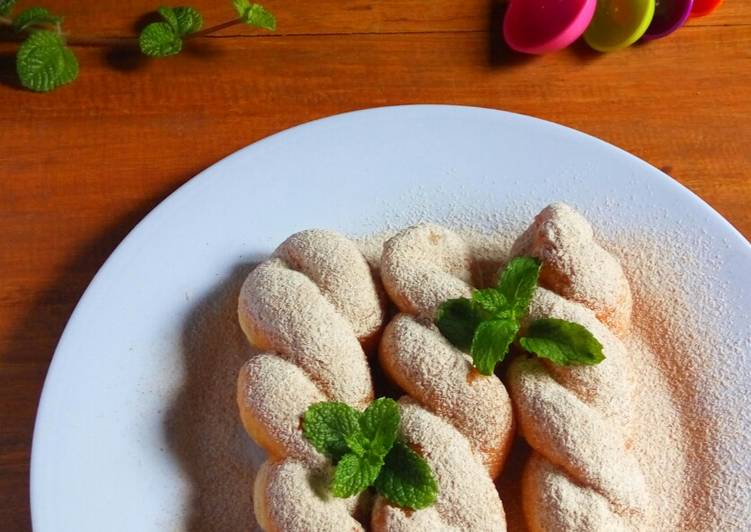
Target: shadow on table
point(499, 53)
point(28, 351)
point(202, 425)
point(8, 76)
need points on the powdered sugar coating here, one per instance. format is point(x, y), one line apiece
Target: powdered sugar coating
point(575, 265)
point(270, 413)
point(423, 266)
point(283, 311)
point(296, 499)
point(467, 498)
point(432, 371)
point(342, 274)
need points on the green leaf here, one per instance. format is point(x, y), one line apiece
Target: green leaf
point(6, 6)
point(379, 425)
point(189, 20)
point(34, 16)
point(44, 62)
point(160, 39)
point(355, 473)
point(491, 342)
point(406, 479)
point(563, 342)
point(183, 20)
point(492, 301)
point(241, 6)
point(328, 426)
point(457, 320)
point(168, 14)
point(255, 14)
point(518, 282)
point(357, 442)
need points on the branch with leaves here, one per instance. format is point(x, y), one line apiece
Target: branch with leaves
point(45, 61)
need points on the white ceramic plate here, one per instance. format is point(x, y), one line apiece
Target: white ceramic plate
point(137, 428)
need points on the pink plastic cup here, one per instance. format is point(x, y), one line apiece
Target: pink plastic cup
point(544, 26)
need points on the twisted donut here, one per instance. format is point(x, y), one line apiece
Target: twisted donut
point(458, 420)
point(581, 475)
point(309, 308)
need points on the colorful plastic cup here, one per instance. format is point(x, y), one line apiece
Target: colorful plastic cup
point(619, 23)
point(704, 7)
point(543, 26)
point(669, 16)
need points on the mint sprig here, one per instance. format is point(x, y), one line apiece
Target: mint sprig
point(487, 325)
point(45, 60)
point(364, 448)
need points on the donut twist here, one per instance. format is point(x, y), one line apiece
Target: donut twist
point(309, 308)
point(458, 420)
point(581, 474)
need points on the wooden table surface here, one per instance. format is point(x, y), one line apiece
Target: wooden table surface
point(82, 165)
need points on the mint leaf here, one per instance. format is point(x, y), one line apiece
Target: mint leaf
point(43, 62)
point(33, 16)
point(406, 479)
point(6, 6)
point(168, 14)
point(357, 442)
point(457, 320)
point(491, 342)
point(379, 425)
point(492, 301)
point(355, 473)
point(328, 426)
point(518, 283)
point(255, 14)
point(189, 20)
point(184, 20)
point(241, 6)
point(563, 342)
point(160, 39)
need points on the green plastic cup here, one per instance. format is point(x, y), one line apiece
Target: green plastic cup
point(619, 23)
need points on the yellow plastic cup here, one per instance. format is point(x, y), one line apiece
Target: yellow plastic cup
point(619, 23)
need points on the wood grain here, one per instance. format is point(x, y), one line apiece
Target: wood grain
point(82, 165)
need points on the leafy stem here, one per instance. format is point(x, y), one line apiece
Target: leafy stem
point(44, 60)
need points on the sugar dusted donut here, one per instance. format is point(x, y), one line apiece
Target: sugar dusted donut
point(460, 421)
point(310, 308)
point(582, 474)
